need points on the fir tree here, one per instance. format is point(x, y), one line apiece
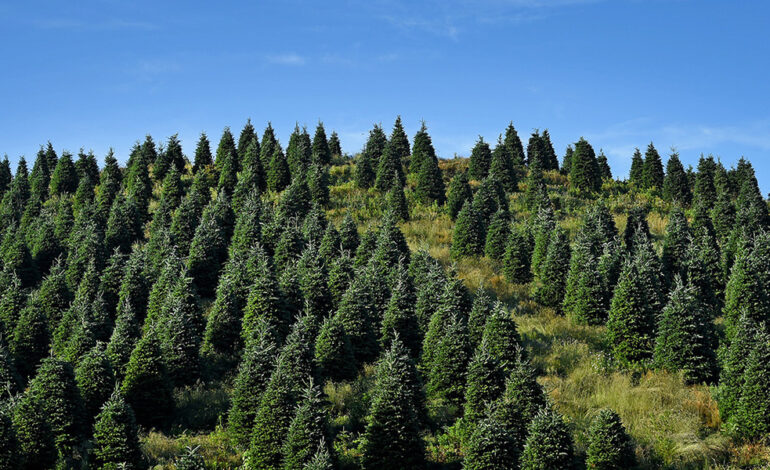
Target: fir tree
point(535, 152)
point(322, 459)
point(676, 187)
point(278, 176)
point(704, 190)
point(636, 175)
point(307, 428)
point(355, 314)
point(94, 378)
point(333, 352)
point(9, 452)
point(318, 183)
point(224, 322)
point(10, 382)
point(340, 275)
point(208, 249)
point(267, 146)
point(30, 340)
point(604, 167)
point(124, 337)
point(502, 167)
point(536, 195)
point(486, 382)
point(299, 151)
point(247, 136)
point(566, 162)
point(40, 177)
point(550, 282)
point(116, 443)
point(543, 228)
point(330, 246)
point(335, 148)
point(391, 438)
point(549, 158)
point(490, 447)
point(430, 185)
point(686, 337)
point(609, 446)
point(477, 319)
point(399, 319)
point(5, 175)
point(652, 173)
point(395, 201)
point(399, 143)
point(459, 193)
point(182, 332)
point(252, 379)
point(745, 291)
point(264, 300)
point(502, 338)
point(203, 158)
point(513, 145)
point(34, 435)
point(146, 384)
point(466, 239)
point(368, 160)
point(64, 178)
point(480, 160)
point(675, 244)
point(349, 234)
point(390, 173)
point(322, 154)
point(449, 362)
point(584, 176)
point(549, 444)
point(751, 417)
point(518, 256)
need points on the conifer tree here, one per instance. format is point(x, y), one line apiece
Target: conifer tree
point(123, 339)
point(400, 143)
point(203, 158)
point(536, 195)
point(299, 150)
point(247, 136)
point(636, 223)
point(94, 378)
point(566, 162)
point(676, 187)
point(333, 352)
point(267, 146)
point(453, 300)
point(322, 154)
point(5, 175)
point(480, 160)
point(335, 148)
point(486, 382)
point(395, 201)
point(399, 319)
point(609, 446)
point(466, 238)
point(272, 421)
point(54, 387)
point(675, 244)
point(224, 322)
point(459, 193)
point(30, 340)
point(355, 313)
point(535, 152)
point(226, 151)
point(34, 435)
point(389, 170)
point(64, 178)
point(636, 175)
point(448, 363)
point(518, 255)
point(502, 167)
point(549, 444)
point(477, 319)
point(490, 447)
point(12, 301)
point(146, 384)
point(549, 158)
point(543, 227)
point(116, 443)
point(552, 275)
point(733, 366)
point(307, 429)
point(704, 190)
point(190, 460)
point(182, 332)
point(489, 198)
point(40, 177)
point(584, 176)
point(9, 452)
point(652, 173)
point(605, 172)
point(208, 249)
point(264, 300)
point(313, 279)
point(752, 415)
point(252, 379)
point(10, 381)
point(424, 163)
point(368, 160)
point(391, 438)
point(746, 291)
point(278, 176)
point(349, 237)
point(330, 246)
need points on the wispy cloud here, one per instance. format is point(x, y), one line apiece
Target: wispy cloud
point(287, 59)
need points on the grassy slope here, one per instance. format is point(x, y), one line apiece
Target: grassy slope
point(674, 426)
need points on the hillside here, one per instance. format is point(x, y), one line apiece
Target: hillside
point(301, 308)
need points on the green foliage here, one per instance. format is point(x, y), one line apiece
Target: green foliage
point(584, 175)
point(395, 201)
point(116, 443)
point(490, 447)
point(146, 384)
point(307, 429)
point(448, 363)
point(399, 319)
point(64, 178)
point(486, 382)
point(278, 176)
point(502, 166)
point(501, 337)
point(94, 378)
point(467, 236)
point(208, 249)
point(30, 340)
point(368, 160)
point(430, 184)
point(609, 446)
point(676, 187)
point(549, 444)
point(480, 160)
point(334, 357)
point(652, 173)
point(518, 255)
point(675, 244)
point(34, 434)
point(750, 417)
point(459, 193)
point(552, 275)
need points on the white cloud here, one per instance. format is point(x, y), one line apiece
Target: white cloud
point(287, 59)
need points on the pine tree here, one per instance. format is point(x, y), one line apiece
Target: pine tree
point(40, 177)
point(203, 158)
point(543, 227)
point(94, 378)
point(490, 447)
point(322, 154)
point(518, 256)
point(12, 301)
point(636, 175)
point(751, 418)
point(552, 275)
point(636, 223)
point(652, 173)
point(123, 339)
point(10, 381)
point(247, 136)
point(686, 337)
point(146, 384)
point(224, 322)
point(391, 438)
point(299, 151)
point(356, 315)
point(733, 366)
point(549, 158)
point(264, 301)
point(322, 459)
point(489, 198)
point(307, 428)
point(395, 201)
point(30, 340)
point(34, 435)
point(584, 176)
point(549, 444)
point(459, 193)
point(349, 234)
point(267, 146)
point(609, 446)
point(466, 239)
point(704, 191)
point(116, 443)
point(746, 291)
point(604, 167)
point(318, 183)
point(502, 167)
point(535, 152)
point(278, 176)
point(566, 162)
point(182, 332)
point(252, 379)
point(5, 175)
point(390, 173)
point(480, 160)
point(480, 312)
point(54, 387)
point(9, 452)
point(449, 362)
point(335, 148)
point(330, 247)
point(190, 460)
point(333, 352)
point(64, 178)
point(399, 319)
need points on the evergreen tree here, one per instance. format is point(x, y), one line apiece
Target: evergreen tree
point(536, 195)
point(5, 175)
point(182, 332)
point(64, 178)
point(9, 452)
point(636, 223)
point(477, 319)
point(299, 151)
point(676, 187)
point(459, 193)
point(224, 322)
point(448, 363)
point(209, 245)
point(116, 444)
point(356, 315)
point(307, 428)
point(252, 379)
point(399, 143)
point(605, 172)
point(430, 184)
point(466, 239)
point(752, 415)
point(368, 160)
point(267, 146)
point(399, 319)
point(486, 382)
point(278, 176)
point(123, 339)
point(40, 177)
point(675, 244)
point(391, 438)
point(349, 234)
point(34, 435)
point(549, 444)
point(203, 158)
point(686, 337)
point(543, 228)
point(228, 173)
point(322, 154)
point(395, 201)
point(518, 256)
point(10, 382)
point(746, 288)
point(498, 235)
point(502, 167)
point(226, 152)
point(190, 460)
point(566, 162)
point(334, 357)
point(636, 175)
point(247, 136)
point(609, 446)
point(490, 447)
point(552, 275)
point(513, 146)
point(480, 160)
point(389, 171)
point(489, 198)
point(146, 384)
point(652, 173)
point(335, 148)
point(54, 387)
point(94, 378)
point(704, 190)
point(535, 152)
point(731, 378)
point(264, 301)
point(330, 247)
point(584, 176)
point(548, 157)
point(30, 341)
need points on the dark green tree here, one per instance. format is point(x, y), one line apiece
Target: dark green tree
point(490, 447)
point(307, 429)
point(584, 175)
point(636, 175)
point(264, 301)
point(513, 146)
point(675, 244)
point(676, 187)
point(368, 160)
point(609, 445)
point(652, 174)
point(704, 191)
point(480, 160)
point(459, 193)
point(335, 148)
point(94, 378)
point(37, 448)
point(278, 176)
point(752, 415)
point(566, 162)
point(549, 443)
point(64, 178)
point(30, 341)
point(604, 167)
point(322, 154)
point(502, 167)
point(518, 255)
point(552, 275)
point(497, 235)
point(116, 441)
point(146, 384)
point(486, 382)
point(449, 361)
point(466, 238)
point(208, 249)
point(203, 158)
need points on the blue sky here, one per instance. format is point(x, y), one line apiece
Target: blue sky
point(622, 73)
